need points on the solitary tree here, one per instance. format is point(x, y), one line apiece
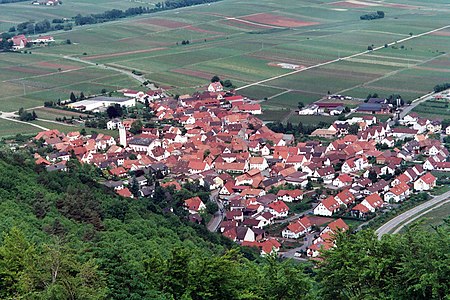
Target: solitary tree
point(215, 79)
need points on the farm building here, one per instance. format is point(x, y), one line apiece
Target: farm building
point(101, 103)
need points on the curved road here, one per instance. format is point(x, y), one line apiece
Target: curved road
point(400, 221)
point(216, 220)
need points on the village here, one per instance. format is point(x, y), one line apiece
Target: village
point(266, 189)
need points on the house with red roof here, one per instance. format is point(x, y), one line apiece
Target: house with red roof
point(125, 192)
point(297, 228)
point(327, 207)
point(345, 197)
point(425, 183)
point(194, 205)
point(290, 195)
point(278, 209)
point(215, 87)
point(326, 239)
point(373, 202)
point(342, 180)
point(397, 193)
point(119, 172)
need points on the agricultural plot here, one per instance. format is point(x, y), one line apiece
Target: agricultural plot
point(245, 45)
point(433, 109)
point(10, 128)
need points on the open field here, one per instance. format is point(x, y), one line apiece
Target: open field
point(435, 217)
point(433, 110)
point(14, 13)
point(244, 45)
point(10, 128)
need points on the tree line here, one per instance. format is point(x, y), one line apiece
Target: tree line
point(373, 16)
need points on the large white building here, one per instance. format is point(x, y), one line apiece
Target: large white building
point(101, 103)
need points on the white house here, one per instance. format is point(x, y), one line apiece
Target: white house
point(297, 228)
point(327, 207)
point(425, 183)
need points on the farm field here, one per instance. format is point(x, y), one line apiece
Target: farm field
point(244, 45)
point(10, 128)
point(433, 109)
point(14, 13)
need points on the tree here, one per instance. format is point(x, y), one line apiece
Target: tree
point(227, 83)
point(211, 207)
point(115, 111)
point(82, 97)
point(300, 105)
point(373, 176)
point(353, 129)
point(134, 188)
point(73, 98)
point(215, 78)
point(136, 127)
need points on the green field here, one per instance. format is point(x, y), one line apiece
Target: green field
point(433, 109)
point(244, 50)
point(435, 217)
point(9, 128)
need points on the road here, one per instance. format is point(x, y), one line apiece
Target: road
point(397, 223)
point(342, 58)
point(10, 117)
point(214, 223)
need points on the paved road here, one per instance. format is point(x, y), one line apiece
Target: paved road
point(397, 223)
point(214, 223)
point(343, 58)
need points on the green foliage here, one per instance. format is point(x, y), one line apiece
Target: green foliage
point(363, 267)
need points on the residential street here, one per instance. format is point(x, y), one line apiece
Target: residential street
point(395, 225)
point(214, 224)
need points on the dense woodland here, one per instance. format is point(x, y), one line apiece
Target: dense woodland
point(67, 237)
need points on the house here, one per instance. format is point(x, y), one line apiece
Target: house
point(290, 195)
point(194, 205)
point(278, 209)
point(19, 42)
point(113, 124)
point(345, 198)
point(297, 228)
point(397, 193)
point(425, 183)
point(342, 180)
point(372, 202)
point(327, 207)
point(125, 192)
point(259, 163)
point(447, 130)
point(215, 87)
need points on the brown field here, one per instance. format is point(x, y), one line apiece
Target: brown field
point(320, 220)
point(122, 53)
point(26, 70)
point(242, 24)
point(275, 20)
point(176, 24)
point(198, 74)
point(62, 112)
point(441, 33)
point(164, 23)
point(63, 67)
